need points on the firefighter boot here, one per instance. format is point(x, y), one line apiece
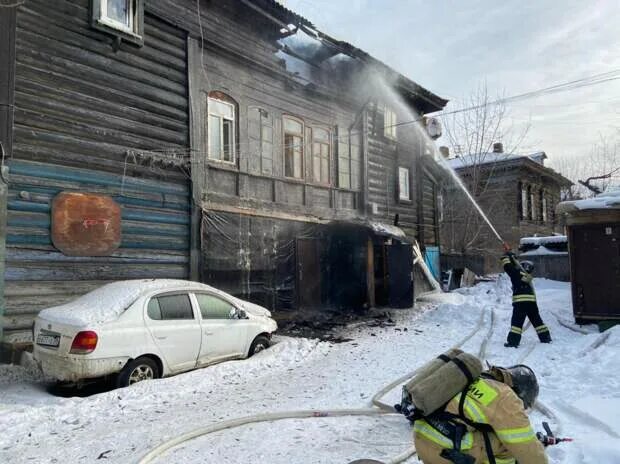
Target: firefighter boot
point(544, 335)
point(513, 339)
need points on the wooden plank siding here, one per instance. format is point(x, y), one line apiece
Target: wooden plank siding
point(79, 107)
point(384, 158)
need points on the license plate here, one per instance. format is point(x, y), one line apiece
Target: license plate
point(48, 340)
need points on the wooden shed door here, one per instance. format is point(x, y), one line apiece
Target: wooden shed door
point(596, 270)
point(399, 259)
point(308, 273)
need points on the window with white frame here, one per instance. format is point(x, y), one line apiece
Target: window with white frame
point(389, 123)
point(544, 206)
point(221, 130)
point(123, 18)
point(321, 154)
point(404, 192)
point(293, 147)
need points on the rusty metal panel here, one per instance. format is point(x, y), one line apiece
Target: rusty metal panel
point(85, 224)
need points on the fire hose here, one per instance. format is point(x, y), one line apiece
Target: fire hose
point(380, 409)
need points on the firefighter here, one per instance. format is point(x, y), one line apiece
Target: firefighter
point(523, 300)
point(496, 427)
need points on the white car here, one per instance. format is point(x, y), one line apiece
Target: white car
point(145, 329)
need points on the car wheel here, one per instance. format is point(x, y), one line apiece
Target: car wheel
point(260, 343)
point(138, 370)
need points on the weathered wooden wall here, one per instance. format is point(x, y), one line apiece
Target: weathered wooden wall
point(500, 200)
point(79, 107)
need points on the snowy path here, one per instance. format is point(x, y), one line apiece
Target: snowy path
point(579, 383)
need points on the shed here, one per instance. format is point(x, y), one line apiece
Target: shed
point(593, 229)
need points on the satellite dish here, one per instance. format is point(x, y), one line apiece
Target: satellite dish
point(433, 127)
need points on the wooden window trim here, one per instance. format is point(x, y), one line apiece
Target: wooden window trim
point(226, 100)
point(302, 135)
point(329, 155)
point(409, 199)
point(101, 22)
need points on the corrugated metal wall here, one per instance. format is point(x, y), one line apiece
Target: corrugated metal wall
point(79, 107)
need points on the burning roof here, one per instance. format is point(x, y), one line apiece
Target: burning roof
point(302, 41)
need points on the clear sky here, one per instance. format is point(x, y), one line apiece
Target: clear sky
point(451, 46)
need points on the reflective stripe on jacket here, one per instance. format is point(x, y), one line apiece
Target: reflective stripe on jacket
point(522, 288)
point(493, 403)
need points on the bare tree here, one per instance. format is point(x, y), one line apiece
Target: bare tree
point(594, 172)
point(471, 130)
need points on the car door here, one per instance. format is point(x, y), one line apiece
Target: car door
point(175, 328)
point(224, 335)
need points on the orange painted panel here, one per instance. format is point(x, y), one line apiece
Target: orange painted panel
point(85, 224)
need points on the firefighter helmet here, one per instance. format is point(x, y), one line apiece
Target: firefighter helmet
point(520, 378)
point(524, 384)
point(527, 266)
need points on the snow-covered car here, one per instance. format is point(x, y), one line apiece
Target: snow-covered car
point(145, 329)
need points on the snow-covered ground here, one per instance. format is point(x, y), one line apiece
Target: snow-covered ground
point(578, 373)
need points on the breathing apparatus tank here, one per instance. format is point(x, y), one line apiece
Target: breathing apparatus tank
point(439, 380)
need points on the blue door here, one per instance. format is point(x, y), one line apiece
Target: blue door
point(431, 257)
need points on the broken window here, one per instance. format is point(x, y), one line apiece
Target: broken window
point(260, 132)
point(221, 128)
point(293, 147)
point(404, 191)
point(321, 153)
point(389, 123)
point(123, 18)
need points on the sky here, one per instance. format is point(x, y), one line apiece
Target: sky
point(451, 47)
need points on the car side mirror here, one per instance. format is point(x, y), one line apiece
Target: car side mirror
point(241, 314)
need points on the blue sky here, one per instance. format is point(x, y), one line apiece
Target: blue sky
point(450, 47)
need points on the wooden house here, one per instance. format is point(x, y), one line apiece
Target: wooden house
point(517, 193)
point(223, 141)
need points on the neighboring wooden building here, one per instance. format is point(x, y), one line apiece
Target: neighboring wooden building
point(593, 228)
point(518, 194)
point(229, 142)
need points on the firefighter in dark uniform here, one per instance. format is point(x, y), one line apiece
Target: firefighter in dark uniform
point(523, 300)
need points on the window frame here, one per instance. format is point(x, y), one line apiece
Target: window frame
point(174, 293)
point(218, 297)
point(134, 33)
point(233, 124)
point(402, 199)
point(322, 143)
point(389, 123)
point(301, 135)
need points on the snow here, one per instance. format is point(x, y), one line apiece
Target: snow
point(544, 240)
point(543, 251)
point(578, 376)
point(477, 159)
point(606, 200)
point(108, 302)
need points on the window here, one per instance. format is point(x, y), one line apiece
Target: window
point(404, 191)
point(349, 159)
point(123, 18)
point(389, 123)
point(293, 148)
point(524, 208)
point(321, 153)
point(533, 211)
point(221, 129)
point(260, 133)
point(543, 202)
point(169, 307)
point(212, 307)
